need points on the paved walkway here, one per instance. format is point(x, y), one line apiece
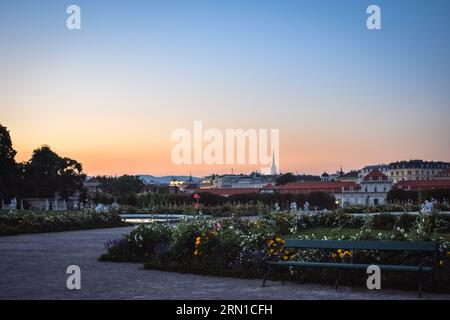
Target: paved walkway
point(34, 267)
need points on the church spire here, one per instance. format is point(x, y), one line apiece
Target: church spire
point(273, 169)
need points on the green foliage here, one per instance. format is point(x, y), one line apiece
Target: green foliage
point(8, 166)
point(45, 221)
point(285, 178)
point(47, 173)
point(236, 247)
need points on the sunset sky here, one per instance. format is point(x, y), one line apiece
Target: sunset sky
point(111, 94)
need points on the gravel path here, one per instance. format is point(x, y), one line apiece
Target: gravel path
point(34, 267)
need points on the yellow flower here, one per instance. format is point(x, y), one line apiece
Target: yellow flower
point(271, 251)
point(286, 258)
point(279, 239)
point(271, 242)
point(340, 251)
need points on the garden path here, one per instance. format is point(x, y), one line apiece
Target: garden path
point(34, 267)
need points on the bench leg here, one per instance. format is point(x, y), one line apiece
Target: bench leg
point(337, 279)
point(266, 273)
point(420, 284)
point(264, 279)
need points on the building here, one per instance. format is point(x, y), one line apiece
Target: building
point(417, 185)
point(352, 176)
point(416, 170)
point(383, 168)
point(375, 187)
point(92, 186)
point(307, 177)
point(254, 180)
point(443, 175)
point(332, 187)
point(372, 189)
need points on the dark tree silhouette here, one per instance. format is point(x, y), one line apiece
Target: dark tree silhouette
point(8, 165)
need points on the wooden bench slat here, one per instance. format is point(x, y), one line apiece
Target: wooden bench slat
point(427, 246)
point(331, 265)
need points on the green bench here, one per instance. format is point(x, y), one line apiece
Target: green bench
point(426, 249)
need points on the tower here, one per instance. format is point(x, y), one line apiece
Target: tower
point(273, 169)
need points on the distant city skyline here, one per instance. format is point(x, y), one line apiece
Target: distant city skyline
point(110, 95)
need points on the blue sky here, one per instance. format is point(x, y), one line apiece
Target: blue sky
point(310, 68)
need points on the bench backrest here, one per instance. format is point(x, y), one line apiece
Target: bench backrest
point(427, 246)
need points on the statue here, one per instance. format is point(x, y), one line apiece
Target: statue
point(13, 204)
point(115, 206)
point(293, 207)
point(306, 206)
point(101, 208)
point(277, 206)
point(427, 207)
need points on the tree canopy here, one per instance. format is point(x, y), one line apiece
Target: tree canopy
point(285, 178)
point(8, 165)
point(46, 173)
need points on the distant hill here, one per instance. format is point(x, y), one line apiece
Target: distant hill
point(149, 179)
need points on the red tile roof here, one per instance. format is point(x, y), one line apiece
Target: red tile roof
point(309, 186)
point(229, 191)
point(376, 175)
point(423, 184)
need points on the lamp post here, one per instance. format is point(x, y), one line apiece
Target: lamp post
point(197, 198)
point(339, 214)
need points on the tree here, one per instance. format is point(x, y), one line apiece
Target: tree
point(46, 174)
point(285, 178)
point(126, 184)
point(8, 165)
point(321, 200)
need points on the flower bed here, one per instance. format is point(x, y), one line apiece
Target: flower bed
point(240, 248)
point(47, 221)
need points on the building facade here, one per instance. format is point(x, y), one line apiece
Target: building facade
point(416, 170)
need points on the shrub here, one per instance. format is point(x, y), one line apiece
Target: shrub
point(48, 221)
